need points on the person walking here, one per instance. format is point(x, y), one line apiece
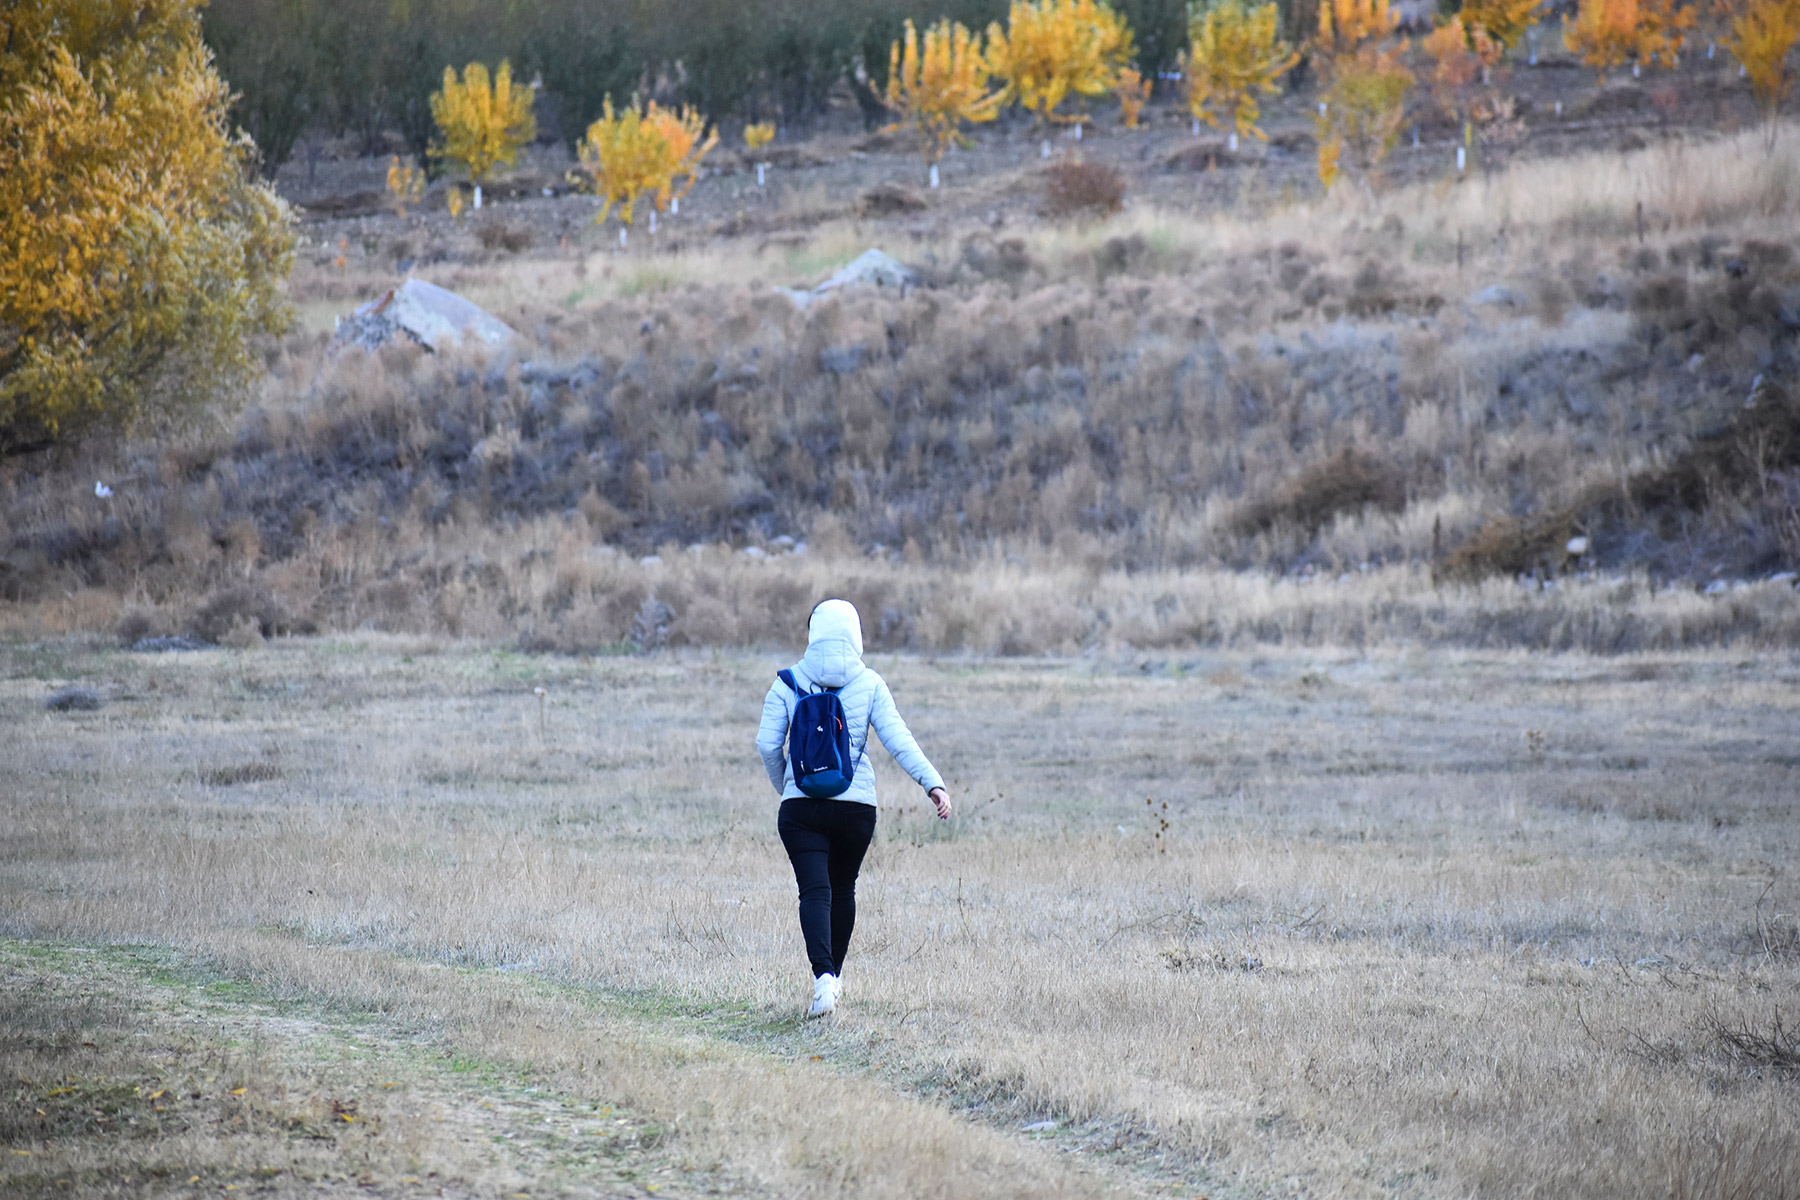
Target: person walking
point(828, 812)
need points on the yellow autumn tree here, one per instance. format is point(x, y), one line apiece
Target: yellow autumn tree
point(1503, 20)
point(1460, 55)
point(1235, 52)
point(1609, 33)
point(482, 124)
point(939, 82)
point(405, 184)
point(138, 254)
point(1051, 49)
point(642, 151)
point(1762, 36)
point(1133, 91)
point(1345, 25)
point(1364, 109)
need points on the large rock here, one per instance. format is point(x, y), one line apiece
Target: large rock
point(427, 314)
point(871, 267)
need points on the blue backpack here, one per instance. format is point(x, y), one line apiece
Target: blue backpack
point(819, 742)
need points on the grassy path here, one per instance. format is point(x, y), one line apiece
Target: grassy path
point(273, 1068)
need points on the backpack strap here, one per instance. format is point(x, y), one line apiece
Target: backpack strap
point(787, 677)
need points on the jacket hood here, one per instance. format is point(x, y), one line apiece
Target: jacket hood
point(834, 644)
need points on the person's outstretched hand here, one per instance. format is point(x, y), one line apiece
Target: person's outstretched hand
point(941, 798)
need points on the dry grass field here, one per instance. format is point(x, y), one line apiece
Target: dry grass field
point(372, 914)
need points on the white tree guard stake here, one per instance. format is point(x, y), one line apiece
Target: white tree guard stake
point(674, 206)
point(1415, 137)
point(1321, 108)
point(1634, 70)
point(1044, 151)
point(1460, 157)
point(1232, 141)
point(1196, 126)
point(1078, 131)
point(934, 175)
point(653, 220)
point(478, 197)
point(622, 232)
point(760, 178)
point(1559, 109)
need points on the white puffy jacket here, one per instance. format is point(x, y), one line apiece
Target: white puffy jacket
point(833, 659)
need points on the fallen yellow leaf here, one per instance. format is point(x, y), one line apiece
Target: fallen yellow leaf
point(239, 1091)
point(347, 1117)
point(158, 1093)
point(59, 1091)
point(21, 1152)
point(193, 1179)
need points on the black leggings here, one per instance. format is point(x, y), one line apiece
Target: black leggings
point(826, 841)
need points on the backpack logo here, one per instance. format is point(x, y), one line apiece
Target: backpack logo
point(819, 742)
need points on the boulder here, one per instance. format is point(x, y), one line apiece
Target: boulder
point(428, 314)
point(870, 267)
point(1497, 296)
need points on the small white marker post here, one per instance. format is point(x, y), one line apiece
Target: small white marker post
point(1634, 70)
point(1078, 131)
point(1321, 108)
point(478, 197)
point(1232, 141)
point(1196, 126)
point(1044, 150)
point(1559, 110)
point(1415, 137)
point(653, 222)
point(1709, 51)
point(674, 206)
point(934, 175)
point(622, 233)
point(760, 177)
point(1460, 158)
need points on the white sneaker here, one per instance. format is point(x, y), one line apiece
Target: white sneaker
point(825, 995)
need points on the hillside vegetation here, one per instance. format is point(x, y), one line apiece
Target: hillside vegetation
point(1440, 384)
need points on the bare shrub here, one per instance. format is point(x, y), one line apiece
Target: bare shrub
point(1344, 483)
point(1075, 188)
point(249, 772)
point(1774, 1047)
point(245, 634)
point(136, 624)
point(496, 235)
point(242, 610)
point(887, 200)
point(74, 699)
